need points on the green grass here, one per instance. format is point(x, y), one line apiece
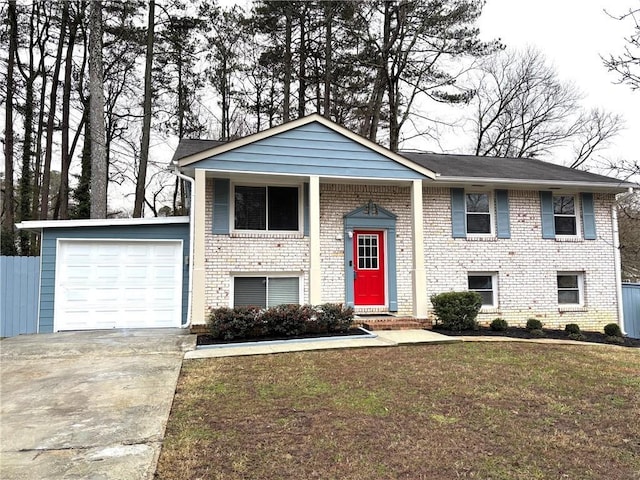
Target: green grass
point(470, 410)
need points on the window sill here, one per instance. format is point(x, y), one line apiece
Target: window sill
point(493, 310)
point(570, 239)
point(237, 234)
point(482, 238)
point(572, 308)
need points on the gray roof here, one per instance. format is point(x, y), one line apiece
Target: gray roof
point(188, 147)
point(471, 166)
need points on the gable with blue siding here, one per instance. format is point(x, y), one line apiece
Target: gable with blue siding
point(121, 232)
point(311, 149)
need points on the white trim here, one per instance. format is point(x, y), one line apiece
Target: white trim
point(617, 266)
point(577, 209)
point(179, 280)
point(267, 275)
point(491, 212)
point(232, 208)
point(185, 161)
point(99, 222)
point(580, 278)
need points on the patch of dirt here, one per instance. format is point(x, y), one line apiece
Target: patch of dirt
point(516, 332)
point(209, 340)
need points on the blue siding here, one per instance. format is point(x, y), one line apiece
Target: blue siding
point(19, 279)
point(311, 149)
point(148, 232)
point(631, 308)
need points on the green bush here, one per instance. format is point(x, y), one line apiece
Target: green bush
point(278, 321)
point(457, 310)
point(536, 332)
point(612, 330)
point(334, 317)
point(615, 339)
point(232, 323)
point(572, 329)
point(534, 324)
point(499, 325)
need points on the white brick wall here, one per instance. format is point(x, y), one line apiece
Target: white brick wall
point(526, 264)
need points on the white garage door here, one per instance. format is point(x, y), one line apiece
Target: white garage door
point(118, 284)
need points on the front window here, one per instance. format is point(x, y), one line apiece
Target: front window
point(564, 214)
point(265, 291)
point(478, 213)
point(266, 208)
point(569, 288)
point(485, 285)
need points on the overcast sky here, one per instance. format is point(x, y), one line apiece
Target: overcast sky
point(573, 34)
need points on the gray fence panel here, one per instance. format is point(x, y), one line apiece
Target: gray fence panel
point(19, 285)
point(631, 307)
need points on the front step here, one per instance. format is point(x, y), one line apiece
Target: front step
point(396, 323)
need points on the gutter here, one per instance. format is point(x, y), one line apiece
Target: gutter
point(619, 186)
point(618, 267)
point(192, 181)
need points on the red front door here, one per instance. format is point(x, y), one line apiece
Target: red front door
point(368, 266)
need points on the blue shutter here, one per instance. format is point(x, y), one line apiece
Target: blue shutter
point(305, 210)
point(221, 192)
point(458, 212)
point(502, 210)
point(588, 216)
point(546, 210)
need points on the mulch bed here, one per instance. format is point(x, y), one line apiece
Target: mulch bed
point(209, 340)
point(515, 332)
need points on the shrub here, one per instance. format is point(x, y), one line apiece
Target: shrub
point(289, 320)
point(333, 317)
point(614, 339)
point(536, 332)
point(499, 325)
point(534, 324)
point(572, 329)
point(232, 323)
point(457, 310)
point(612, 330)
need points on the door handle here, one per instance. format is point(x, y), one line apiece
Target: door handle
point(355, 275)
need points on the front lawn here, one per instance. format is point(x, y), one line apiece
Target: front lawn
point(469, 410)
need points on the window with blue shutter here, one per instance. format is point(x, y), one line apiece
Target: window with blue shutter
point(588, 217)
point(503, 225)
point(220, 206)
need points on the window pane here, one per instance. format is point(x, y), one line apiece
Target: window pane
point(478, 202)
point(250, 208)
point(567, 281)
point(569, 296)
point(482, 282)
point(249, 291)
point(565, 225)
point(283, 208)
point(478, 223)
point(563, 205)
point(487, 298)
point(283, 290)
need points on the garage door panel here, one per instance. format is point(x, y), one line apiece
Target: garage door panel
point(118, 284)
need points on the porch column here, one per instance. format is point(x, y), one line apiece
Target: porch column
point(418, 273)
point(315, 286)
point(198, 303)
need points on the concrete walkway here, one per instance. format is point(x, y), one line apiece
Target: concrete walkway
point(87, 405)
point(382, 338)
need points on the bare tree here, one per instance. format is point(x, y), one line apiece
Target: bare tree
point(629, 232)
point(523, 109)
point(96, 113)
point(627, 64)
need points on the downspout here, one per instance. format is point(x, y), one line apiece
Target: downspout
point(192, 181)
point(618, 267)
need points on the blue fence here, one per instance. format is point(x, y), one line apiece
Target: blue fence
point(19, 284)
point(631, 307)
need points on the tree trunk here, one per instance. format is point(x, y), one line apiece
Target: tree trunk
point(146, 125)
point(287, 64)
point(46, 175)
point(96, 112)
point(302, 80)
point(8, 219)
point(328, 51)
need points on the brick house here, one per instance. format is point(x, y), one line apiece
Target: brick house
point(309, 212)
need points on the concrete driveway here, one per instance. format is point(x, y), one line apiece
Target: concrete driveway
point(87, 405)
